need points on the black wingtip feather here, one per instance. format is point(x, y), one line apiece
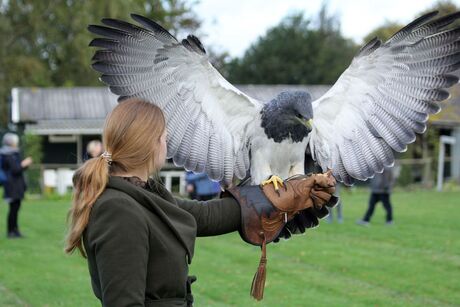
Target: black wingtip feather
point(105, 31)
point(196, 42)
point(99, 55)
point(408, 28)
point(370, 46)
point(94, 29)
point(193, 45)
point(454, 67)
point(446, 20)
point(441, 95)
point(152, 25)
point(103, 42)
point(99, 66)
point(112, 22)
point(121, 25)
point(123, 98)
point(451, 80)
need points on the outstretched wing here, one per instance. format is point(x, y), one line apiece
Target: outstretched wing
point(206, 116)
point(384, 98)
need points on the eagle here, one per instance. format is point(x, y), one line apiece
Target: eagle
point(375, 108)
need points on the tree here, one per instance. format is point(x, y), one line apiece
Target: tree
point(384, 32)
point(444, 7)
point(295, 52)
point(45, 43)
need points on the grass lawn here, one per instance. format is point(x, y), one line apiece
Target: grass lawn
point(415, 262)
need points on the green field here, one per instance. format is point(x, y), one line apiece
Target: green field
point(415, 262)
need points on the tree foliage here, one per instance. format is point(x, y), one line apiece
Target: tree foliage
point(45, 43)
point(295, 52)
point(444, 7)
point(384, 32)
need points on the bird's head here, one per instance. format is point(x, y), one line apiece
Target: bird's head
point(289, 115)
point(298, 108)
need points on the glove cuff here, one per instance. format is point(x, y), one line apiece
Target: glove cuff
point(259, 218)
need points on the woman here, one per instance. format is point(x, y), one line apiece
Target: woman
point(15, 185)
point(138, 238)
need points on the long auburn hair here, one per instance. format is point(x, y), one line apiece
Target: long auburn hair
point(131, 134)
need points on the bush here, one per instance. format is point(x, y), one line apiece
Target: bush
point(32, 145)
point(405, 175)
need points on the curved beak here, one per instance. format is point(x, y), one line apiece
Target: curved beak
point(306, 122)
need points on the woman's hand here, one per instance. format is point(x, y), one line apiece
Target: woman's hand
point(26, 162)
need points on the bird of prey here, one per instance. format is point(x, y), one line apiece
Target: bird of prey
point(373, 110)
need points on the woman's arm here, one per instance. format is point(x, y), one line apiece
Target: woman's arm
point(213, 217)
point(119, 238)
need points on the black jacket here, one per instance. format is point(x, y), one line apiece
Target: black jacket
point(15, 185)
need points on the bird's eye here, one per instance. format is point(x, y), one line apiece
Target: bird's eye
point(299, 115)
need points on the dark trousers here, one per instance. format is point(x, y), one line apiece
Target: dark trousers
point(373, 200)
point(15, 205)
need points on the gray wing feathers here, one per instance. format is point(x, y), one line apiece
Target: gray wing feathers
point(215, 163)
point(242, 163)
point(149, 63)
point(385, 97)
point(199, 149)
point(183, 151)
point(180, 120)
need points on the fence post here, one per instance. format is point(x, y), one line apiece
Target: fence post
point(182, 184)
point(427, 181)
point(443, 139)
point(168, 181)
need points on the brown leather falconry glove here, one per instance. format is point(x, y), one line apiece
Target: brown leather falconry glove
point(268, 214)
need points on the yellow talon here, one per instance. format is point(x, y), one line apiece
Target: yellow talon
point(275, 180)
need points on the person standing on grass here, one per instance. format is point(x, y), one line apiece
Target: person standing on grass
point(139, 240)
point(15, 185)
point(381, 186)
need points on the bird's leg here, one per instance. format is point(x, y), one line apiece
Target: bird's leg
point(275, 180)
point(298, 168)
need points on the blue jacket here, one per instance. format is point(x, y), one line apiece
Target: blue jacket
point(203, 185)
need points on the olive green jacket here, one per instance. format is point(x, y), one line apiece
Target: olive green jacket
point(140, 242)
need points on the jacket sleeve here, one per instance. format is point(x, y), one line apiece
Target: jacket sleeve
point(213, 217)
point(12, 166)
point(119, 235)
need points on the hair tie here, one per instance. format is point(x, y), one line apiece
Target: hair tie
point(107, 156)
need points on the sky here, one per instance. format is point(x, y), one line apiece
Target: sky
point(233, 25)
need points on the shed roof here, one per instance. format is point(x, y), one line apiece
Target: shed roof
point(82, 110)
point(77, 103)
